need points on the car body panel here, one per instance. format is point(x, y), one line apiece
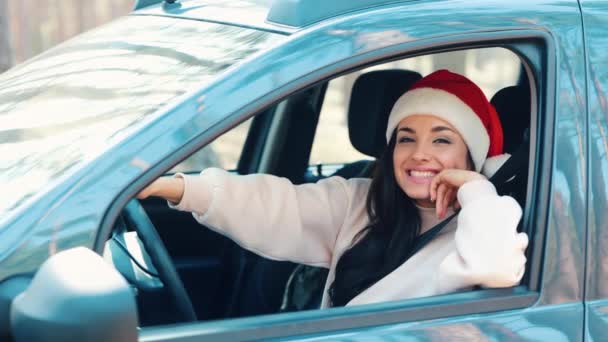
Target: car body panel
point(107, 90)
point(595, 16)
point(538, 324)
point(313, 54)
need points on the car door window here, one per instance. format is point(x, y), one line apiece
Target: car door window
point(224, 152)
point(331, 146)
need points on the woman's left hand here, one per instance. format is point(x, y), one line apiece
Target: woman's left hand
point(445, 185)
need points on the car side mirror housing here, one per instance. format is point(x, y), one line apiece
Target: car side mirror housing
point(75, 296)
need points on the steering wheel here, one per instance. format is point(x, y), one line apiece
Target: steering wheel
point(136, 217)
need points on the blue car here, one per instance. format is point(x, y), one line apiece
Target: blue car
point(298, 89)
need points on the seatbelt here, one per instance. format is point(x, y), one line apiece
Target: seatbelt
point(502, 175)
point(509, 168)
point(428, 236)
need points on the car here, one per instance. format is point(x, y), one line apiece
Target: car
point(297, 89)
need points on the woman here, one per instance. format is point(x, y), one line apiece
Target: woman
point(441, 134)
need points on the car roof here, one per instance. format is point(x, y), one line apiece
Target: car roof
point(301, 13)
point(281, 16)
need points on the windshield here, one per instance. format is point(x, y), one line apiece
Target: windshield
point(70, 104)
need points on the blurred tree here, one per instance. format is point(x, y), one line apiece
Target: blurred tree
point(6, 51)
point(33, 26)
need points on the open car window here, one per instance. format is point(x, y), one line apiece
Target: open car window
point(257, 285)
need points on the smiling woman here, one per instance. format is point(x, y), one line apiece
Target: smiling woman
point(74, 102)
point(440, 135)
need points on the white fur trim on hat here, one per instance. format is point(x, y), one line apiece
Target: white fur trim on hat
point(448, 107)
point(492, 164)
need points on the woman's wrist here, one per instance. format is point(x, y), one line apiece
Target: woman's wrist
point(176, 189)
point(475, 189)
point(169, 188)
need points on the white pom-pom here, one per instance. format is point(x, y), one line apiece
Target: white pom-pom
point(492, 164)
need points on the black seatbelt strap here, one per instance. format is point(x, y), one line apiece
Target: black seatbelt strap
point(512, 165)
point(429, 235)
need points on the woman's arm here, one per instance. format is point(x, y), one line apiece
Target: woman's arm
point(169, 188)
point(263, 213)
point(489, 251)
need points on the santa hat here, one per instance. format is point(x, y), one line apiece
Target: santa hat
point(457, 100)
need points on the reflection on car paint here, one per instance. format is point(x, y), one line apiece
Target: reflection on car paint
point(74, 102)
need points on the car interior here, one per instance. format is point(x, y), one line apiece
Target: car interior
point(223, 280)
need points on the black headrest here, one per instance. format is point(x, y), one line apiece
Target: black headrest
point(513, 107)
point(373, 96)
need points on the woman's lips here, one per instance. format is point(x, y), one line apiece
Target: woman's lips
point(421, 176)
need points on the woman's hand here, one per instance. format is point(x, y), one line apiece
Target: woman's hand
point(148, 191)
point(445, 185)
point(169, 188)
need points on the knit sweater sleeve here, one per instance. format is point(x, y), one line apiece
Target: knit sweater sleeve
point(269, 215)
point(489, 251)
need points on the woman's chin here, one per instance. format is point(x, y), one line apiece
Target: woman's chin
point(418, 191)
point(424, 202)
point(420, 196)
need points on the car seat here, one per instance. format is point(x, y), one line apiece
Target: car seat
point(513, 106)
point(372, 98)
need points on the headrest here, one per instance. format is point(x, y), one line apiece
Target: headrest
point(513, 107)
point(372, 98)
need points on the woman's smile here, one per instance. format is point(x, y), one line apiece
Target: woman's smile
point(421, 176)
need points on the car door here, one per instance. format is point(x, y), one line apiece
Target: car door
point(595, 17)
point(549, 303)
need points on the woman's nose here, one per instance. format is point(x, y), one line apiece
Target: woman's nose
point(421, 154)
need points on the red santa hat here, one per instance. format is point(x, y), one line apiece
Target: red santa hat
point(457, 100)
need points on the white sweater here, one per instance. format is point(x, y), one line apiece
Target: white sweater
point(315, 223)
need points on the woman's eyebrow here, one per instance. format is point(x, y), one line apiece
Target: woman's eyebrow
point(407, 129)
point(441, 128)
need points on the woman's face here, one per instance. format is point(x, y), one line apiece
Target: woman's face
point(424, 146)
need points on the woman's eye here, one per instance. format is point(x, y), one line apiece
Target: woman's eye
point(442, 141)
point(405, 140)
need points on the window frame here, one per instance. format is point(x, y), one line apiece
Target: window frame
point(537, 51)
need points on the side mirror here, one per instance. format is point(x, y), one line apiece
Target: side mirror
point(75, 296)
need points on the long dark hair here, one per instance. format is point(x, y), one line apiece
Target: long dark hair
point(386, 242)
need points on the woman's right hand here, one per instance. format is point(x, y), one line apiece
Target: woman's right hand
point(169, 188)
point(147, 191)
point(445, 185)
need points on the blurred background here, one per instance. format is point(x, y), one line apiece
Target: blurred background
point(28, 27)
